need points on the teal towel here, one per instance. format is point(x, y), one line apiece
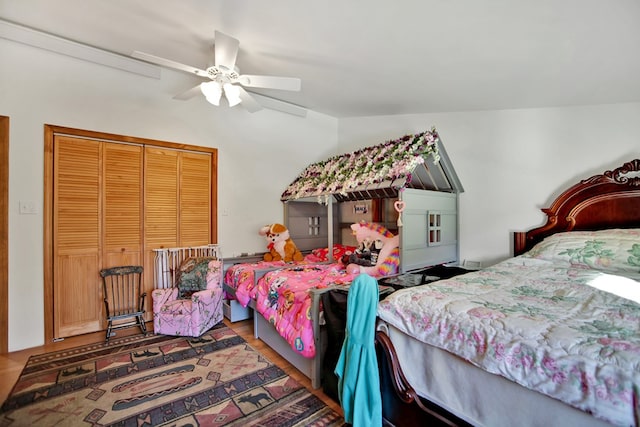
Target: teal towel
point(357, 367)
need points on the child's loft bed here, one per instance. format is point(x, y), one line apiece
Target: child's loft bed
point(411, 177)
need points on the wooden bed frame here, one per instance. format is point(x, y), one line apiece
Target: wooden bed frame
point(609, 200)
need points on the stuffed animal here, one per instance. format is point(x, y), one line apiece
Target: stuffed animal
point(281, 246)
point(385, 245)
point(366, 254)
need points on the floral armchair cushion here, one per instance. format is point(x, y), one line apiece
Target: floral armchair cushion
point(614, 251)
point(192, 276)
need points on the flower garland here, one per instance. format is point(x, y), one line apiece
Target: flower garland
point(391, 161)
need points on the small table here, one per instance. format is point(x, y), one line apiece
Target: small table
point(421, 277)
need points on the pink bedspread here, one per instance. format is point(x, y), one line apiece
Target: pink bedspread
point(283, 299)
point(282, 294)
point(241, 277)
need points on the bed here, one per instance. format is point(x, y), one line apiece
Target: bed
point(285, 298)
point(411, 177)
point(241, 278)
point(550, 334)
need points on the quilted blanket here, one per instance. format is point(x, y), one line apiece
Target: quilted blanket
point(282, 297)
point(555, 326)
point(241, 277)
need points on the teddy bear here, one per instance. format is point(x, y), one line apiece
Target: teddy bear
point(281, 246)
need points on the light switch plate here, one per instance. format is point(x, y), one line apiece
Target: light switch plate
point(28, 207)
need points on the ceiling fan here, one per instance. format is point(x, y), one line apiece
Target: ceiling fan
point(224, 78)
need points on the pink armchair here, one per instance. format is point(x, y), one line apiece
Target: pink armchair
point(194, 304)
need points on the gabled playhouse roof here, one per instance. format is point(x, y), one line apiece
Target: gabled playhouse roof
point(412, 161)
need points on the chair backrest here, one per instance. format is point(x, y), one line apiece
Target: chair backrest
point(197, 274)
point(122, 289)
point(167, 261)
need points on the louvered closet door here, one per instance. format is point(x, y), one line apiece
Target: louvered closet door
point(177, 201)
point(160, 207)
point(122, 211)
point(76, 239)
point(161, 198)
point(195, 199)
point(97, 224)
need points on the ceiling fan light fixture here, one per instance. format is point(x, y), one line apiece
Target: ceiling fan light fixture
point(224, 78)
point(212, 91)
point(232, 93)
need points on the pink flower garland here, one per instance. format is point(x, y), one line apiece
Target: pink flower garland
point(390, 161)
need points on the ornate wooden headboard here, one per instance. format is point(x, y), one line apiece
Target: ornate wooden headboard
point(610, 200)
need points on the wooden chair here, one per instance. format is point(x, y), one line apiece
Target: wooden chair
point(123, 297)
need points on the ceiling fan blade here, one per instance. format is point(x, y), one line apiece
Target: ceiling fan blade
point(270, 82)
point(226, 50)
point(169, 63)
point(279, 105)
point(189, 93)
point(248, 101)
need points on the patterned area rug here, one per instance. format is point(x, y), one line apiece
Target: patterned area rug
point(217, 379)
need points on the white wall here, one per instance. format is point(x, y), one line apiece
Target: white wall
point(259, 154)
point(512, 163)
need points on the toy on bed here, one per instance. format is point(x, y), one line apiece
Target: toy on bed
point(366, 254)
point(281, 246)
point(377, 254)
point(283, 296)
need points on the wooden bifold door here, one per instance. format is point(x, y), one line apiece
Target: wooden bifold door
point(111, 203)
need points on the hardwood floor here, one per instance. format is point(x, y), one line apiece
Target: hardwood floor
point(11, 364)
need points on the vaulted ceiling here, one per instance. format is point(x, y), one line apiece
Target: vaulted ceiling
point(375, 57)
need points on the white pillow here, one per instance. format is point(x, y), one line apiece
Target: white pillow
point(612, 250)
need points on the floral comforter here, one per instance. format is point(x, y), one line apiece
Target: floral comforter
point(554, 326)
point(282, 297)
